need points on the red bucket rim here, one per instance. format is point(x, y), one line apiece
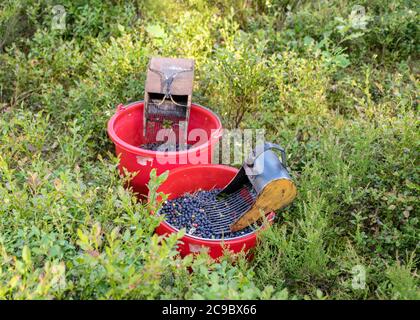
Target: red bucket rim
point(216, 135)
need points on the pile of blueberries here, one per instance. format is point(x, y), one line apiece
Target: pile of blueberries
point(158, 146)
point(187, 212)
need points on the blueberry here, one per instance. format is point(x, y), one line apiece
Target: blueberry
point(187, 212)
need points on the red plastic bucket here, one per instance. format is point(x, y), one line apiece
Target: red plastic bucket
point(204, 177)
point(125, 129)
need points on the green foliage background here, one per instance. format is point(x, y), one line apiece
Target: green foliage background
point(338, 91)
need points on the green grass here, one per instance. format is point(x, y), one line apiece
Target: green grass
point(341, 95)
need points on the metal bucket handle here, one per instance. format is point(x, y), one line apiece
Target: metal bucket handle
point(263, 148)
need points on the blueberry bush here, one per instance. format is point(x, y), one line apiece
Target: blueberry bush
point(335, 82)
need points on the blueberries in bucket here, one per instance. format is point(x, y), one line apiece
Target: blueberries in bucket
point(187, 212)
point(162, 146)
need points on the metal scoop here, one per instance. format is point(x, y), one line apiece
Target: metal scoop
point(261, 186)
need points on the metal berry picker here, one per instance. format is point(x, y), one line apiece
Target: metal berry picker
point(167, 98)
point(261, 186)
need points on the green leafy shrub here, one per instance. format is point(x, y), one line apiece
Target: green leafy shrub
point(238, 76)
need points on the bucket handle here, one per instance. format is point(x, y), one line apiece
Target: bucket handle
point(121, 107)
point(263, 148)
